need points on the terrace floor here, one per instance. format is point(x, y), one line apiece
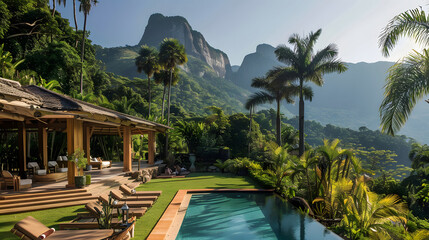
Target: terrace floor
point(101, 180)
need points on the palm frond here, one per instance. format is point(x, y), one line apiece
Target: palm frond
point(407, 83)
point(286, 55)
point(260, 82)
point(259, 98)
point(412, 23)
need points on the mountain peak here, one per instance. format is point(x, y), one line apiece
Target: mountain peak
point(160, 27)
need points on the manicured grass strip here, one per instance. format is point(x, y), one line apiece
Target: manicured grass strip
point(50, 217)
point(170, 186)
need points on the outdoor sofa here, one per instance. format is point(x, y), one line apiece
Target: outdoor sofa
point(99, 163)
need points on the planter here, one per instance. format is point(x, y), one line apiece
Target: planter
point(79, 181)
point(192, 159)
point(87, 179)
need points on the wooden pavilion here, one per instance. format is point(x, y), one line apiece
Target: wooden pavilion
point(34, 108)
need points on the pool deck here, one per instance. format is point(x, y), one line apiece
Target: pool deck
point(169, 224)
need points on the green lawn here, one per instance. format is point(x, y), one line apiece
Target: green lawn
point(145, 224)
point(50, 218)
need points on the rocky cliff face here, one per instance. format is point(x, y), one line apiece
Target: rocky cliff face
point(256, 65)
point(160, 27)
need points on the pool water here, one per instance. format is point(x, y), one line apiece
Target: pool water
point(238, 215)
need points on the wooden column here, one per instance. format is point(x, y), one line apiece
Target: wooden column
point(74, 141)
point(87, 143)
point(127, 149)
point(43, 145)
point(151, 147)
point(22, 148)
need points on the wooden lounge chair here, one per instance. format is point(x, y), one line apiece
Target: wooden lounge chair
point(123, 197)
point(30, 229)
point(133, 212)
point(15, 181)
point(99, 163)
point(131, 204)
point(131, 192)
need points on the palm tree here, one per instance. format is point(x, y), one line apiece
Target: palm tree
point(407, 81)
point(85, 7)
point(419, 155)
point(275, 88)
point(163, 77)
point(330, 153)
point(280, 167)
point(171, 54)
point(305, 65)
point(147, 61)
point(306, 162)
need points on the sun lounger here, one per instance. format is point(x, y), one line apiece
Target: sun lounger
point(131, 204)
point(123, 197)
point(131, 192)
point(133, 212)
point(30, 229)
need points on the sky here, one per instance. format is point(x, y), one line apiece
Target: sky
point(237, 26)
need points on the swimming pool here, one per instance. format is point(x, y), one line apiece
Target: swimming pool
point(241, 215)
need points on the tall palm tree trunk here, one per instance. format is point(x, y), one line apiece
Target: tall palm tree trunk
point(169, 97)
point(250, 130)
point(82, 54)
point(150, 95)
point(163, 103)
point(75, 20)
point(168, 112)
point(301, 119)
point(54, 7)
point(278, 124)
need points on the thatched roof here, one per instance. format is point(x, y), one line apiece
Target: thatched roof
point(12, 90)
point(40, 98)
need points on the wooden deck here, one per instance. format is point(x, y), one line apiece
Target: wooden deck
point(54, 195)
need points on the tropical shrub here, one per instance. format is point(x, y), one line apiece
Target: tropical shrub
point(366, 213)
point(192, 132)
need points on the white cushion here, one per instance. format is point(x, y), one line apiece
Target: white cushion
point(62, 169)
point(25, 181)
point(65, 158)
point(52, 164)
point(105, 164)
point(59, 158)
point(33, 165)
point(94, 160)
point(41, 172)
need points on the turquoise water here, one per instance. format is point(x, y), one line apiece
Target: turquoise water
point(247, 216)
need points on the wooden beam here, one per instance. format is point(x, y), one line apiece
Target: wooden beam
point(151, 147)
point(127, 149)
point(12, 116)
point(87, 142)
point(43, 145)
point(22, 145)
point(119, 132)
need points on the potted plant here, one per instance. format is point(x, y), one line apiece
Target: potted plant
point(88, 179)
point(81, 162)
